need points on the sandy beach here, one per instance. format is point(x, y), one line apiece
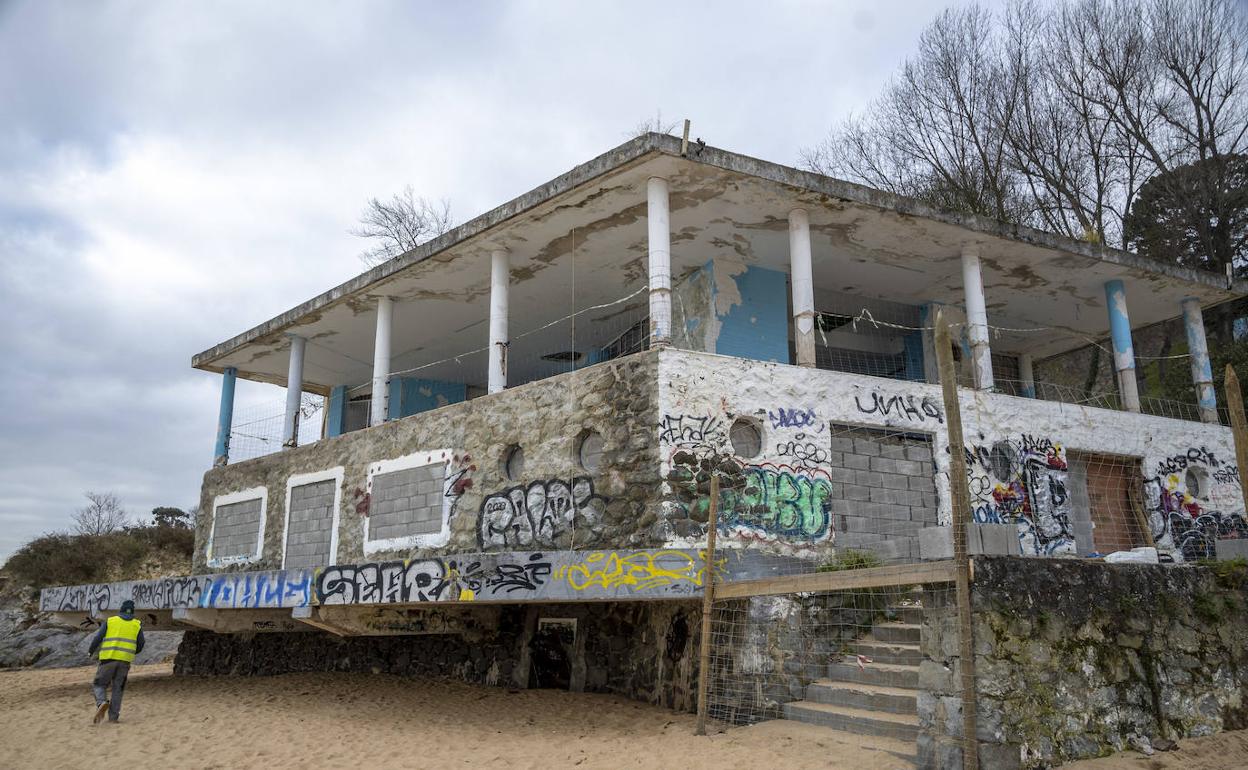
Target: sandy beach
point(354, 720)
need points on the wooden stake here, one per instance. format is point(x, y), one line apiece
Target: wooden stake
point(708, 598)
point(684, 140)
point(961, 500)
point(1239, 427)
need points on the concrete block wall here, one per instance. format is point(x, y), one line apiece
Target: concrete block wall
point(237, 529)
point(407, 502)
point(310, 525)
point(888, 491)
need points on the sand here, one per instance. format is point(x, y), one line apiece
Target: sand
point(358, 720)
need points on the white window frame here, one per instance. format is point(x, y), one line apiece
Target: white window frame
point(406, 462)
point(241, 496)
point(335, 474)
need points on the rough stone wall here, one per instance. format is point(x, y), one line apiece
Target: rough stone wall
point(556, 504)
point(1162, 651)
point(643, 651)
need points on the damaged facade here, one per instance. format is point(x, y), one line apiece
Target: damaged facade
point(517, 415)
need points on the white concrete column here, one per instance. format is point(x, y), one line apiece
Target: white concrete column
point(658, 220)
point(976, 319)
point(803, 284)
point(294, 392)
point(381, 362)
point(1198, 352)
point(500, 280)
point(1027, 375)
point(1124, 347)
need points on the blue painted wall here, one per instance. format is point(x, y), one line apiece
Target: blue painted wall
point(757, 327)
point(337, 410)
point(413, 395)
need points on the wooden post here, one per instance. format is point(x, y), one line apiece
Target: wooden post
point(1239, 427)
point(961, 502)
point(708, 598)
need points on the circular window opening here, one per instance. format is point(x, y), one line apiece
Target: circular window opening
point(513, 463)
point(1197, 482)
point(589, 451)
point(746, 438)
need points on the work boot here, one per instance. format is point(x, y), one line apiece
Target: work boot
point(100, 711)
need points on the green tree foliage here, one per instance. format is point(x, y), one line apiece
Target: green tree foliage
point(72, 559)
point(165, 516)
point(1196, 215)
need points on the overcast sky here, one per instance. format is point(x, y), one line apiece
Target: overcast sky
point(172, 174)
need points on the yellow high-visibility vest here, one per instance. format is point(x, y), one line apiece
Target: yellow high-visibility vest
point(121, 639)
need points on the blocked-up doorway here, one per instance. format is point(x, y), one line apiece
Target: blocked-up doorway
point(1109, 514)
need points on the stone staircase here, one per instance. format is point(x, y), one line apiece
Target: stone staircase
point(877, 700)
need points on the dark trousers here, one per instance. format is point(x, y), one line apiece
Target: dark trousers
point(111, 673)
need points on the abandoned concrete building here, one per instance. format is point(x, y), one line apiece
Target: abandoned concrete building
point(506, 487)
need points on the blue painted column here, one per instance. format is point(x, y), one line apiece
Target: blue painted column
point(225, 417)
point(1198, 351)
point(337, 411)
point(1124, 350)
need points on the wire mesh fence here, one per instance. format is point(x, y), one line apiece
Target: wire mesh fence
point(257, 430)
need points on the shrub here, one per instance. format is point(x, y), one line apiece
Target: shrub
point(64, 559)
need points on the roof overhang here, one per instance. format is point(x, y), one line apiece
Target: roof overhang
point(586, 229)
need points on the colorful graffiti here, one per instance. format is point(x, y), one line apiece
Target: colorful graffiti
point(539, 513)
point(775, 502)
point(678, 571)
point(1190, 504)
point(238, 590)
point(1024, 482)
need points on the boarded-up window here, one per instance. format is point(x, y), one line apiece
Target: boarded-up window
point(236, 530)
point(309, 530)
point(407, 502)
point(1105, 494)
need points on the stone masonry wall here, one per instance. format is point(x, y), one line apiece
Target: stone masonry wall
point(645, 651)
point(1073, 658)
point(554, 504)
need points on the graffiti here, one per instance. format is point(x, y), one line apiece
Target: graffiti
point(775, 502)
point(1187, 504)
point(1180, 462)
point(678, 571)
point(169, 592)
point(1023, 482)
point(906, 407)
point(538, 513)
point(254, 590)
point(688, 431)
point(92, 599)
point(429, 580)
point(802, 453)
point(458, 476)
point(792, 418)
point(528, 576)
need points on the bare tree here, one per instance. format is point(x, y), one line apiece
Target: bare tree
point(103, 514)
point(400, 224)
point(1058, 115)
point(654, 125)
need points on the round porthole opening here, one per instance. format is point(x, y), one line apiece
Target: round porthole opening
point(746, 438)
point(513, 462)
point(589, 450)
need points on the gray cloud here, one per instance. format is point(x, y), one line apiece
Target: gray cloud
point(172, 174)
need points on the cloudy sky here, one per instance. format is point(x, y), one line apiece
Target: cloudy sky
point(172, 174)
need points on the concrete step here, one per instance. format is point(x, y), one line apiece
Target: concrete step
point(905, 614)
point(884, 674)
point(903, 727)
point(893, 700)
point(883, 652)
point(903, 633)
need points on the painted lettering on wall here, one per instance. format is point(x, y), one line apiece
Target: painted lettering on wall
point(791, 418)
point(1193, 501)
point(906, 407)
point(538, 513)
point(677, 571)
point(1023, 482)
point(685, 431)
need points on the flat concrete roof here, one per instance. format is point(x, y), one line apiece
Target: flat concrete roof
point(864, 241)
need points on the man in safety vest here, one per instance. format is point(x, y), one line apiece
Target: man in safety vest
point(119, 639)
